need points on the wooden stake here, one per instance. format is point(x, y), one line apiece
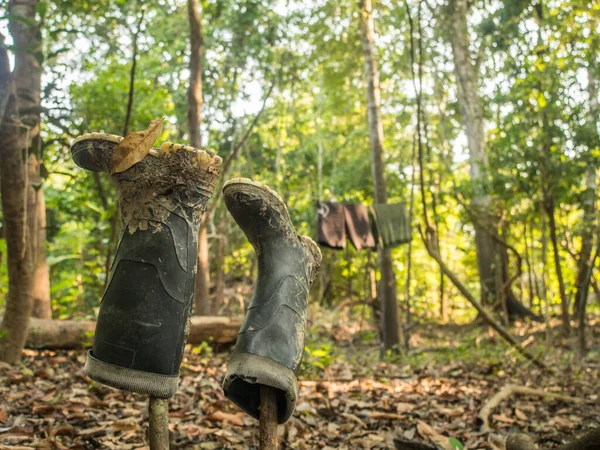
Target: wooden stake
point(158, 419)
point(268, 439)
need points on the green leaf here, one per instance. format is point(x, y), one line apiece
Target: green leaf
point(25, 20)
point(52, 260)
point(42, 8)
point(456, 444)
point(541, 100)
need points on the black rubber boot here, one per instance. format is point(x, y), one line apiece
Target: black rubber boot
point(143, 321)
point(270, 344)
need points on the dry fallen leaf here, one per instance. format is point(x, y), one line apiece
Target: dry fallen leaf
point(402, 407)
point(354, 418)
point(452, 412)
point(221, 416)
point(384, 416)
point(125, 424)
point(562, 422)
point(135, 147)
point(502, 418)
point(428, 432)
point(520, 414)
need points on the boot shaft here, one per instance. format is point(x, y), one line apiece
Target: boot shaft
point(143, 320)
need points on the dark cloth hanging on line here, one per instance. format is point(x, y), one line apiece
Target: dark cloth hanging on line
point(392, 227)
point(331, 225)
point(358, 226)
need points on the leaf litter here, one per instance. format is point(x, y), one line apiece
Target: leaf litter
point(48, 403)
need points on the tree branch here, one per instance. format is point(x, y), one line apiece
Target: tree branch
point(132, 73)
point(232, 156)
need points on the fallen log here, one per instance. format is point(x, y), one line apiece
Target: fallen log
point(71, 334)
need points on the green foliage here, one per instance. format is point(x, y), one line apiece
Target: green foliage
point(317, 357)
point(455, 444)
point(533, 90)
point(204, 349)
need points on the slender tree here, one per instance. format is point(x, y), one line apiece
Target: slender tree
point(466, 70)
point(201, 294)
point(387, 291)
point(548, 180)
point(586, 260)
point(19, 128)
point(30, 103)
point(590, 215)
point(471, 107)
point(36, 216)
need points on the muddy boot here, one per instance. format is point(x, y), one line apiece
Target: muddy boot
point(143, 321)
point(270, 343)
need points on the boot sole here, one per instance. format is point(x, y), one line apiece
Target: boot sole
point(308, 243)
point(154, 384)
point(261, 187)
point(246, 372)
point(83, 145)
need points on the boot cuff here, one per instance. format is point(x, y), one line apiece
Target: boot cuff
point(246, 372)
point(154, 384)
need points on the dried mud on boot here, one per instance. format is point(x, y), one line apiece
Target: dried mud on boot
point(143, 320)
point(172, 181)
point(270, 343)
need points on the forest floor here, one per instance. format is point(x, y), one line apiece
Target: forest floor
point(348, 398)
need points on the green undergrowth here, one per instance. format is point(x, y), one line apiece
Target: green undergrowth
point(434, 344)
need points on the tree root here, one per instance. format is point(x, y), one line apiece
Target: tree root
point(590, 441)
point(507, 391)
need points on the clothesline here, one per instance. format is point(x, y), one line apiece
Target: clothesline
point(384, 225)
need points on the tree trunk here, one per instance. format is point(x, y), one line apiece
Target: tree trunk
point(387, 294)
point(13, 185)
point(545, 298)
point(201, 292)
point(220, 282)
point(564, 301)
point(36, 216)
point(590, 217)
point(195, 87)
point(202, 303)
point(529, 262)
point(17, 132)
point(471, 109)
point(466, 70)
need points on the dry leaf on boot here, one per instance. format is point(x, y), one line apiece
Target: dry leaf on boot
point(135, 147)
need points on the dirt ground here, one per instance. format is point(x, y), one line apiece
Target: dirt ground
point(348, 398)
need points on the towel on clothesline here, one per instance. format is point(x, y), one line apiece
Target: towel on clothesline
point(331, 225)
point(337, 222)
point(358, 226)
point(391, 224)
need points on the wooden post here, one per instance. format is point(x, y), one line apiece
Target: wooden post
point(158, 419)
point(268, 439)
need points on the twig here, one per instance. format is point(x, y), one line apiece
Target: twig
point(496, 237)
point(510, 389)
point(232, 156)
point(268, 439)
point(484, 313)
point(132, 73)
point(589, 441)
point(420, 351)
point(158, 419)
